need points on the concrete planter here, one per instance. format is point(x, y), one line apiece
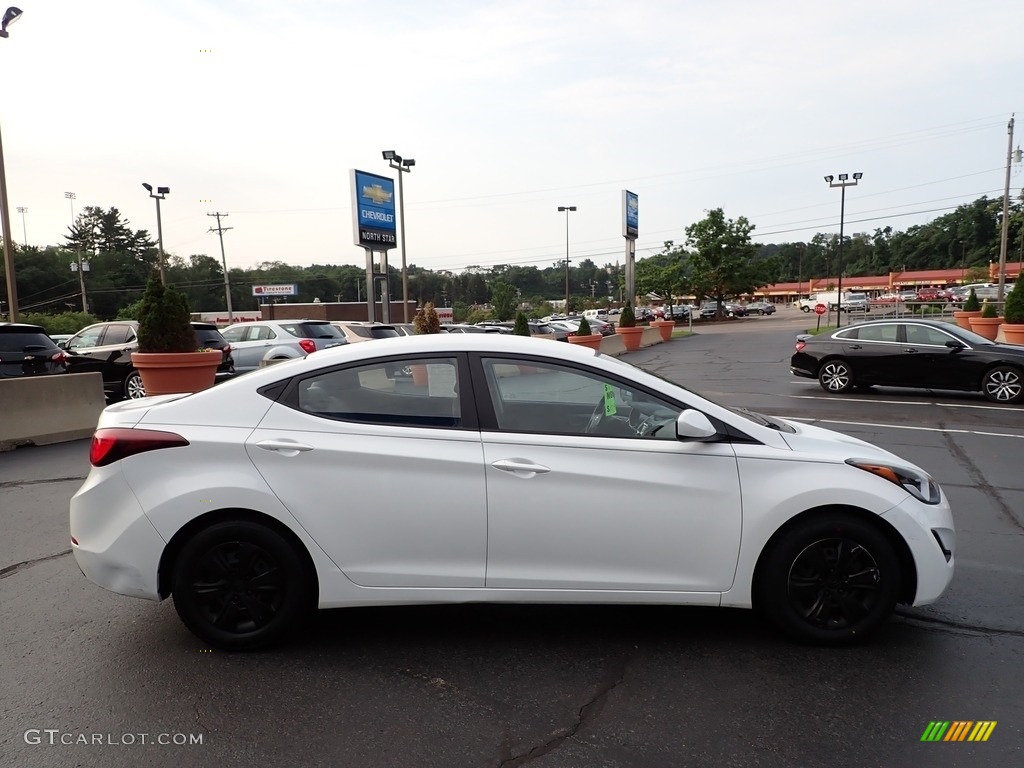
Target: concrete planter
point(963, 318)
point(665, 327)
point(986, 326)
point(1013, 333)
point(593, 341)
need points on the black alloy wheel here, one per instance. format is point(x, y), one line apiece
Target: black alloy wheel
point(240, 586)
point(829, 580)
point(836, 376)
point(1003, 384)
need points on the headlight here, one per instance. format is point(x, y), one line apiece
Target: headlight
point(914, 481)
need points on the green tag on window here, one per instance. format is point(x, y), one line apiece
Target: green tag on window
point(609, 400)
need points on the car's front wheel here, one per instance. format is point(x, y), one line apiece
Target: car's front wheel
point(133, 386)
point(830, 579)
point(836, 376)
point(239, 585)
point(1003, 384)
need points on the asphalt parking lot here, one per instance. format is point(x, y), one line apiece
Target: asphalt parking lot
point(541, 685)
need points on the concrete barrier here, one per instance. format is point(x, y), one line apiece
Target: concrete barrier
point(38, 410)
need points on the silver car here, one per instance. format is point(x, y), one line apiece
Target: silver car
point(262, 341)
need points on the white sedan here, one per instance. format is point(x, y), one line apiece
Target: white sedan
point(478, 467)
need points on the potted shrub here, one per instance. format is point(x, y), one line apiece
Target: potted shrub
point(584, 336)
point(522, 326)
point(1013, 315)
point(972, 308)
point(168, 359)
point(425, 322)
point(987, 324)
point(628, 329)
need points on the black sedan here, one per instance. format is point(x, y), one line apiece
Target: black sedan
point(911, 353)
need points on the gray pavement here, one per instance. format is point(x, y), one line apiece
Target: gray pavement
point(540, 685)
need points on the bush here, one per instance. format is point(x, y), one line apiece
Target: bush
point(626, 318)
point(584, 329)
point(972, 304)
point(988, 309)
point(65, 322)
point(427, 320)
point(164, 320)
point(1013, 310)
point(522, 327)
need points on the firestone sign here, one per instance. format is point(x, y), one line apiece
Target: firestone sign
point(288, 289)
point(373, 211)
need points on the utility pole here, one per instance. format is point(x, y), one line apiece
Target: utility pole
point(1006, 212)
point(224, 262)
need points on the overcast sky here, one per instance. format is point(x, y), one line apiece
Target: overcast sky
point(260, 108)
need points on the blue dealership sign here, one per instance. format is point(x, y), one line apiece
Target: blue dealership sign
point(630, 215)
point(373, 211)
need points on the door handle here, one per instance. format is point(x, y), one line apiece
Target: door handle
point(911, 351)
point(520, 465)
point(856, 346)
point(284, 447)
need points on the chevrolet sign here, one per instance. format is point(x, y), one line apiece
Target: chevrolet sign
point(373, 211)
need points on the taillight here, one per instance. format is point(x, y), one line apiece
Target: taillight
point(227, 350)
point(308, 346)
point(800, 346)
point(110, 445)
point(59, 356)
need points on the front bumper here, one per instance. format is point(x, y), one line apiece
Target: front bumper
point(929, 533)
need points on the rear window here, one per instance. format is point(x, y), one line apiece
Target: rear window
point(313, 330)
point(20, 341)
point(204, 334)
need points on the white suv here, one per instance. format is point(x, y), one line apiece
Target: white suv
point(257, 341)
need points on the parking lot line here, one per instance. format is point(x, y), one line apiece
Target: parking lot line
point(901, 426)
point(912, 402)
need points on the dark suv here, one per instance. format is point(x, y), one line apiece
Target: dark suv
point(26, 350)
point(107, 348)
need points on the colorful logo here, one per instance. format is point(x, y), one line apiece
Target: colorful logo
point(958, 730)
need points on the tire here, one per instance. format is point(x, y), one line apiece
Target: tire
point(829, 580)
point(836, 376)
point(760, 312)
point(1003, 384)
point(240, 586)
point(805, 309)
point(133, 386)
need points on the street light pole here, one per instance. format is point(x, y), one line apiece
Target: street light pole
point(567, 209)
point(10, 16)
point(401, 165)
point(160, 194)
point(24, 230)
point(78, 261)
point(843, 183)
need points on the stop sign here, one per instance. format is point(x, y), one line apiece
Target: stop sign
point(820, 309)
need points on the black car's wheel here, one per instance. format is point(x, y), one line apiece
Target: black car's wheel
point(836, 376)
point(830, 579)
point(133, 386)
point(240, 586)
point(1003, 384)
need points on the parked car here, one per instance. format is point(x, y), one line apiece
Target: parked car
point(928, 294)
point(822, 532)
point(26, 350)
point(59, 337)
point(107, 348)
point(709, 309)
point(356, 331)
point(275, 340)
point(404, 329)
point(911, 353)
point(761, 308)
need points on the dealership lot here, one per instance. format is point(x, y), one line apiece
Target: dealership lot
point(548, 686)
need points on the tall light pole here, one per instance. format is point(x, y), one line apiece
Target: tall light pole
point(567, 209)
point(79, 265)
point(843, 183)
point(10, 16)
point(24, 230)
point(402, 166)
point(160, 194)
point(1006, 212)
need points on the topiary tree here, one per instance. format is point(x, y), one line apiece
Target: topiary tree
point(972, 304)
point(427, 321)
point(988, 309)
point(522, 326)
point(627, 319)
point(1013, 310)
point(584, 329)
point(164, 320)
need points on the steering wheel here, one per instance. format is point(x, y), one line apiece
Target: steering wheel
point(597, 418)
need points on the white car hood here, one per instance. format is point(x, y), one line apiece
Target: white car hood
point(826, 443)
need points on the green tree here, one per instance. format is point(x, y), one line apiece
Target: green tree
point(522, 327)
point(722, 261)
point(503, 300)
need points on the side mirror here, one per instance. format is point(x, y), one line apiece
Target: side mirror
point(694, 425)
point(956, 346)
point(62, 344)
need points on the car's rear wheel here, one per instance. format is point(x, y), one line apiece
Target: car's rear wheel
point(1003, 384)
point(133, 386)
point(830, 579)
point(805, 309)
point(240, 586)
point(836, 376)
